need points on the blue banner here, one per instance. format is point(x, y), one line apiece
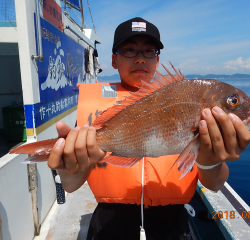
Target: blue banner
point(63, 66)
point(41, 113)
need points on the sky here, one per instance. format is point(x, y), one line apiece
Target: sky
point(199, 36)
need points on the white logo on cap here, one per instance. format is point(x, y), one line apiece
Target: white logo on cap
point(139, 26)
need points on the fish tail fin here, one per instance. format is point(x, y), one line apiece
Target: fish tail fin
point(35, 159)
point(187, 158)
point(36, 148)
point(121, 161)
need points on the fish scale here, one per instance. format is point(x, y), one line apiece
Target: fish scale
point(161, 121)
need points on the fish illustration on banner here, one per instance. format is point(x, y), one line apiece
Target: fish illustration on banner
point(56, 77)
point(63, 66)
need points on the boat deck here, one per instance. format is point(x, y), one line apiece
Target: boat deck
point(69, 221)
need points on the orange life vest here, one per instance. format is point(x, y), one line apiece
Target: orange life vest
point(124, 184)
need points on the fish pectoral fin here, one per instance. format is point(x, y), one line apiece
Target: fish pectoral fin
point(35, 159)
point(187, 157)
point(120, 161)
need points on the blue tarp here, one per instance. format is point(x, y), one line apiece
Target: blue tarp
point(75, 2)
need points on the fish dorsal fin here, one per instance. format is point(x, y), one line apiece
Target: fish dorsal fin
point(108, 114)
point(146, 89)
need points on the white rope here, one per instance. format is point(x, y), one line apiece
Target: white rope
point(91, 16)
point(142, 232)
point(206, 167)
point(189, 209)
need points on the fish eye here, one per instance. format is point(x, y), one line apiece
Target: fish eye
point(233, 101)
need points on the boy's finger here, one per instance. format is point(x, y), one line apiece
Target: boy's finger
point(228, 130)
point(243, 133)
point(214, 133)
point(69, 157)
point(205, 141)
point(95, 154)
point(55, 157)
point(62, 129)
point(80, 147)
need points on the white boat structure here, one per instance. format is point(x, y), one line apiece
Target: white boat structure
point(44, 55)
point(47, 54)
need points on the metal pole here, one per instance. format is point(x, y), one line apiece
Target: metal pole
point(1, 235)
point(32, 175)
point(64, 5)
point(38, 29)
point(91, 16)
point(82, 15)
point(80, 38)
point(72, 20)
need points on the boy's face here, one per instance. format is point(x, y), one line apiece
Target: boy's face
point(132, 70)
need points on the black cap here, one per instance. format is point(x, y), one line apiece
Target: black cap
point(136, 26)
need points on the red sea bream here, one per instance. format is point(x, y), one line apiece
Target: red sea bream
point(160, 119)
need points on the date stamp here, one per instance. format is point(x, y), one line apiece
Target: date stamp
point(230, 215)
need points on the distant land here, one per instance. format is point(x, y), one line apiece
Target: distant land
point(236, 75)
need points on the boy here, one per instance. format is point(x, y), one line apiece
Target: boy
point(136, 51)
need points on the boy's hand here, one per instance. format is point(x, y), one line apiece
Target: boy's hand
point(219, 146)
point(78, 152)
point(225, 145)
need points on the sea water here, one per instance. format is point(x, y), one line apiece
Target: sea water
point(239, 171)
point(239, 175)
